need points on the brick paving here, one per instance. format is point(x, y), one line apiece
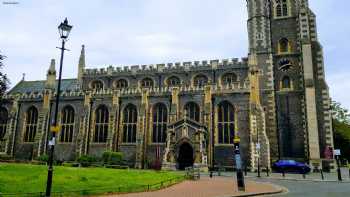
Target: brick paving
point(206, 187)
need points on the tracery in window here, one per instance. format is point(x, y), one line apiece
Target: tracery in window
point(229, 78)
point(173, 81)
point(31, 124)
point(192, 111)
point(101, 124)
point(121, 83)
point(160, 119)
point(67, 124)
point(129, 124)
point(97, 85)
point(3, 122)
point(147, 83)
point(200, 80)
point(226, 123)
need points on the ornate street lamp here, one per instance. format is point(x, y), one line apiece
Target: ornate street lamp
point(64, 30)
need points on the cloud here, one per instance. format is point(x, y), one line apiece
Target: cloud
point(126, 32)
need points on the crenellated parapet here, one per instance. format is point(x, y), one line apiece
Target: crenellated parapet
point(169, 67)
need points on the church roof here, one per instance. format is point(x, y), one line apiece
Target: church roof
point(38, 86)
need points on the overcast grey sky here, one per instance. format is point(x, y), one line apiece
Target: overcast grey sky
point(128, 32)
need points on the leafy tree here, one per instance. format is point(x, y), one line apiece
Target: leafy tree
point(340, 113)
point(341, 129)
point(4, 82)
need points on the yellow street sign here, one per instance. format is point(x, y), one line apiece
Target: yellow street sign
point(55, 129)
point(236, 140)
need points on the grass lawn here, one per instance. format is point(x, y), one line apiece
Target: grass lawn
point(26, 178)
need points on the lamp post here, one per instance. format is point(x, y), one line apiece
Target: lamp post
point(64, 30)
point(240, 177)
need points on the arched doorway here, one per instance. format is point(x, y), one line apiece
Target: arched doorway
point(185, 158)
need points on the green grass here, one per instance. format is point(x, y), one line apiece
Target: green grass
point(25, 178)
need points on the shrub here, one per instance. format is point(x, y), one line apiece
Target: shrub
point(5, 157)
point(112, 158)
point(43, 158)
point(86, 160)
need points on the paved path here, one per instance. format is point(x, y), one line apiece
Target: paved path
point(206, 187)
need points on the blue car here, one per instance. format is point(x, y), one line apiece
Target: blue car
point(291, 166)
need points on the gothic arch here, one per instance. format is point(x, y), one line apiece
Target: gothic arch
point(226, 122)
point(129, 124)
point(173, 81)
point(97, 84)
point(3, 122)
point(147, 82)
point(67, 124)
point(101, 124)
point(31, 124)
point(121, 83)
point(192, 111)
point(200, 80)
point(159, 123)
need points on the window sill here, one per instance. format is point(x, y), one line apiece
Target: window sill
point(225, 145)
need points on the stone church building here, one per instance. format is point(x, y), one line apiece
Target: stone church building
point(188, 113)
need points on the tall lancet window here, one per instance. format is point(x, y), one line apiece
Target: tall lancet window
point(129, 124)
point(67, 124)
point(226, 123)
point(3, 122)
point(101, 124)
point(192, 111)
point(31, 124)
point(160, 119)
point(281, 8)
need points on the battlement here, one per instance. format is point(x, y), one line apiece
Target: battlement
point(168, 67)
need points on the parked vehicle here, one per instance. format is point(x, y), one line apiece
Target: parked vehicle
point(291, 166)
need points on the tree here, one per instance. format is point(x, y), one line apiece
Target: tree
point(341, 129)
point(4, 81)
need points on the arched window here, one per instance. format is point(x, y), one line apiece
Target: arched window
point(147, 83)
point(160, 119)
point(67, 123)
point(281, 8)
point(173, 81)
point(192, 111)
point(200, 80)
point(97, 85)
point(229, 78)
point(283, 45)
point(121, 83)
point(31, 124)
point(3, 122)
point(286, 82)
point(226, 123)
point(101, 124)
point(129, 124)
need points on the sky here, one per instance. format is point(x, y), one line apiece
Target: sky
point(133, 32)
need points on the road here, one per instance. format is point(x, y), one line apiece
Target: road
point(311, 189)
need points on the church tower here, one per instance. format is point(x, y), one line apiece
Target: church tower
point(283, 44)
point(261, 60)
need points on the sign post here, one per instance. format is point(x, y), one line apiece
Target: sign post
point(337, 154)
point(240, 177)
point(258, 151)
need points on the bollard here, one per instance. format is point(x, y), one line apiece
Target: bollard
point(267, 171)
point(322, 176)
point(211, 174)
point(283, 173)
point(304, 176)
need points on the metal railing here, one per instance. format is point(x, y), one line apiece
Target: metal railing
point(104, 190)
